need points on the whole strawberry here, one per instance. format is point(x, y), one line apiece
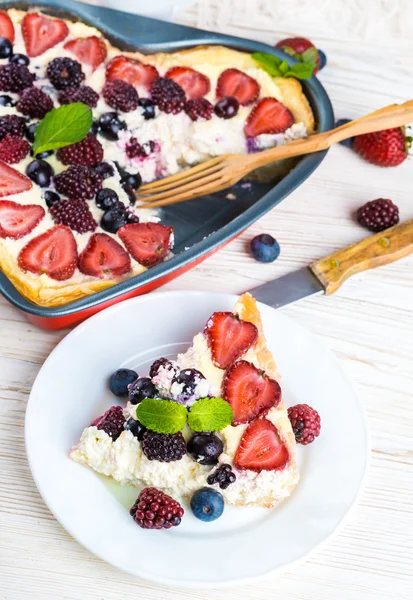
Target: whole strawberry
point(303, 50)
point(387, 148)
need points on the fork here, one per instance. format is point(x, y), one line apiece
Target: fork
point(224, 171)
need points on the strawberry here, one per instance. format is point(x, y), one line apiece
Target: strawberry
point(91, 50)
point(11, 181)
point(104, 257)
point(298, 48)
point(229, 337)
point(132, 71)
point(194, 83)
point(148, 243)
point(249, 391)
point(387, 148)
point(41, 33)
point(53, 253)
point(268, 116)
point(261, 448)
point(239, 85)
point(17, 220)
point(6, 26)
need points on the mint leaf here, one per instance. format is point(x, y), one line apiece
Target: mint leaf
point(300, 71)
point(280, 68)
point(291, 52)
point(284, 67)
point(268, 62)
point(210, 414)
point(162, 416)
point(62, 126)
point(310, 56)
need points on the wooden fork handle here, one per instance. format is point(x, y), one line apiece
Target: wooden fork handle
point(375, 251)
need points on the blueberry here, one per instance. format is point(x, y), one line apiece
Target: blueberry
point(227, 107)
point(7, 101)
point(40, 172)
point(120, 380)
point(134, 180)
point(205, 448)
point(207, 504)
point(106, 199)
point(131, 217)
point(41, 155)
point(111, 125)
point(264, 248)
point(50, 197)
point(29, 131)
point(189, 379)
point(141, 389)
point(96, 128)
point(6, 48)
point(349, 142)
point(114, 219)
point(105, 170)
point(323, 59)
point(149, 108)
point(130, 192)
point(136, 428)
point(20, 59)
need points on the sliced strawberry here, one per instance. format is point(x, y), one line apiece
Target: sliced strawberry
point(249, 391)
point(6, 26)
point(91, 50)
point(104, 257)
point(12, 181)
point(148, 243)
point(239, 85)
point(17, 220)
point(194, 83)
point(261, 448)
point(132, 71)
point(268, 116)
point(41, 33)
point(229, 338)
point(53, 253)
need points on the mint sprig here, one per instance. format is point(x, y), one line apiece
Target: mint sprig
point(210, 414)
point(62, 126)
point(162, 416)
point(280, 68)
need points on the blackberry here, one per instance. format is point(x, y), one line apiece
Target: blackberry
point(87, 152)
point(15, 78)
point(121, 95)
point(168, 95)
point(136, 428)
point(155, 510)
point(199, 108)
point(78, 182)
point(378, 215)
point(84, 94)
point(223, 476)
point(73, 213)
point(161, 362)
point(112, 422)
point(305, 422)
point(13, 149)
point(34, 103)
point(135, 149)
point(13, 125)
point(65, 73)
point(165, 447)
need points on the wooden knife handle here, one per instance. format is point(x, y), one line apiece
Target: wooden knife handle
point(377, 250)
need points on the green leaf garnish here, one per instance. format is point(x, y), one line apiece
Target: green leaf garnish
point(284, 67)
point(300, 71)
point(310, 56)
point(162, 416)
point(210, 414)
point(280, 68)
point(63, 126)
point(268, 62)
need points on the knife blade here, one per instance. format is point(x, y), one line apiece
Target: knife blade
point(327, 274)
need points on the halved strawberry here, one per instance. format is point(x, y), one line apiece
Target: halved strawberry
point(261, 448)
point(104, 257)
point(249, 391)
point(12, 181)
point(239, 85)
point(53, 253)
point(6, 26)
point(229, 337)
point(268, 116)
point(194, 83)
point(90, 50)
point(132, 71)
point(148, 243)
point(41, 33)
point(17, 220)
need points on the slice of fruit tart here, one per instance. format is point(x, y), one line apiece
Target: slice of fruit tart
point(82, 124)
point(211, 425)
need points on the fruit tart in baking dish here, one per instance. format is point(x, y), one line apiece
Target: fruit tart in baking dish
point(82, 124)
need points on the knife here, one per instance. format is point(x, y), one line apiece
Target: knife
point(327, 275)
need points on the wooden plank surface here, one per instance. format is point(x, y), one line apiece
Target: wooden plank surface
point(368, 324)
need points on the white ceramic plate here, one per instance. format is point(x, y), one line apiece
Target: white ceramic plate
point(245, 543)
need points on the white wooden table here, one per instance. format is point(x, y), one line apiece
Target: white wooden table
point(368, 324)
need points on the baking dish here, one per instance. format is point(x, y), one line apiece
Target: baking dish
point(203, 225)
